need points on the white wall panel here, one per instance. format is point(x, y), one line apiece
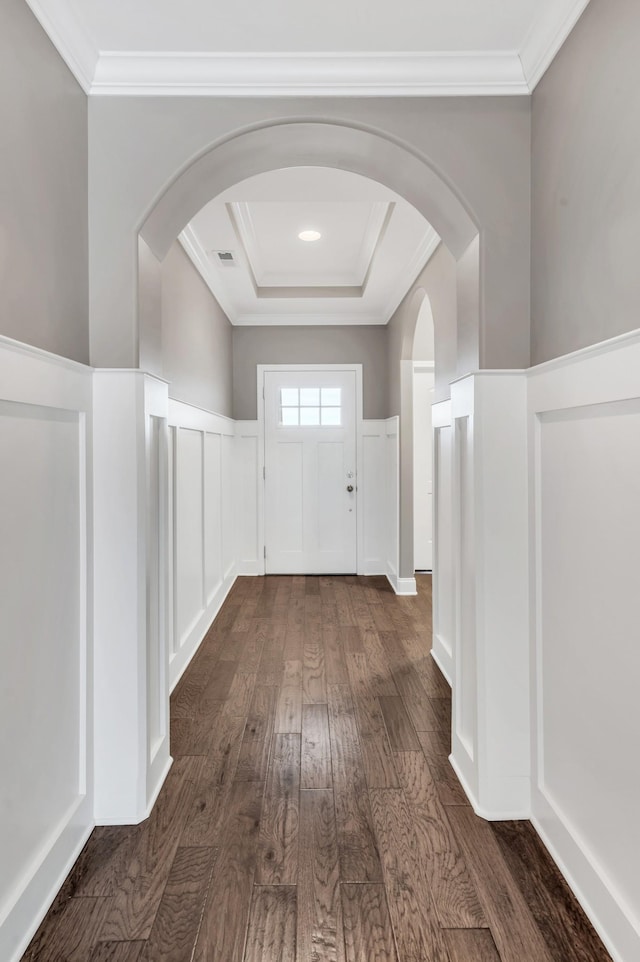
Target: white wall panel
point(189, 599)
point(201, 509)
point(213, 572)
point(584, 415)
point(443, 572)
point(491, 721)
point(227, 497)
point(130, 586)
point(247, 484)
point(45, 702)
point(372, 499)
point(392, 508)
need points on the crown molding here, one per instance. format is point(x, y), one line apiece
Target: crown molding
point(309, 320)
point(423, 254)
point(69, 38)
point(546, 37)
point(309, 74)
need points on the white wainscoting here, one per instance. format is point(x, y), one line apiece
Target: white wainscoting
point(584, 425)
point(203, 477)
point(372, 499)
point(46, 712)
point(490, 738)
point(130, 593)
point(443, 576)
point(248, 490)
point(401, 586)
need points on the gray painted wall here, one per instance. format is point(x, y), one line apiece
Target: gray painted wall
point(586, 185)
point(309, 345)
point(482, 145)
point(43, 191)
point(196, 337)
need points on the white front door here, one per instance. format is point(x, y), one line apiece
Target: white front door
point(310, 472)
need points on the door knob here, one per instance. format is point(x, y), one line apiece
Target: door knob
point(349, 488)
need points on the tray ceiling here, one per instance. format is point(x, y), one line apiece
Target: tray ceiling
point(246, 245)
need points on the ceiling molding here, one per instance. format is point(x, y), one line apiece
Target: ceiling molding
point(547, 36)
point(310, 74)
point(423, 254)
point(308, 320)
point(202, 263)
point(268, 284)
point(379, 217)
point(69, 38)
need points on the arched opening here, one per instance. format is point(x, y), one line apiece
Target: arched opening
point(359, 150)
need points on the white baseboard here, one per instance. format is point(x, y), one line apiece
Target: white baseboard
point(401, 586)
point(182, 658)
point(119, 820)
point(23, 919)
point(443, 659)
point(509, 809)
point(610, 917)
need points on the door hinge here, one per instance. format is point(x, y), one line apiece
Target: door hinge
point(264, 473)
point(265, 551)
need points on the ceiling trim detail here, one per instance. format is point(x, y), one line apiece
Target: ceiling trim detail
point(239, 213)
point(545, 40)
point(69, 38)
point(201, 261)
point(310, 74)
point(454, 73)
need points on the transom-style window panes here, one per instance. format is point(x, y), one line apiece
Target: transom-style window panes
point(310, 407)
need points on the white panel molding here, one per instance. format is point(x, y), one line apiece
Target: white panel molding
point(248, 505)
point(443, 582)
point(39, 388)
point(129, 767)
point(310, 73)
point(401, 586)
point(372, 498)
point(186, 639)
point(491, 743)
point(602, 380)
point(546, 37)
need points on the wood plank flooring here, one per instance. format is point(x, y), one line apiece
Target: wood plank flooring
point(311, 814)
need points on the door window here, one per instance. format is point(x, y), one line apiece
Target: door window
point(310, 407)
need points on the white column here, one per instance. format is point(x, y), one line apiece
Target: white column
point(491, 718)
point(131, 660)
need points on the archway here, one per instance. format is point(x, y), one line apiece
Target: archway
point(368, 152)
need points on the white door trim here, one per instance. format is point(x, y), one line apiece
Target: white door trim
point(262, 369)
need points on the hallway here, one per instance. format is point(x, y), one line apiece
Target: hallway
point(311, 813)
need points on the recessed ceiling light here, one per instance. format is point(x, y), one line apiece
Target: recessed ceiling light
point(309, 235)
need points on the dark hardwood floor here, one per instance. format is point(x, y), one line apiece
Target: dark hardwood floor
point(311, 814)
